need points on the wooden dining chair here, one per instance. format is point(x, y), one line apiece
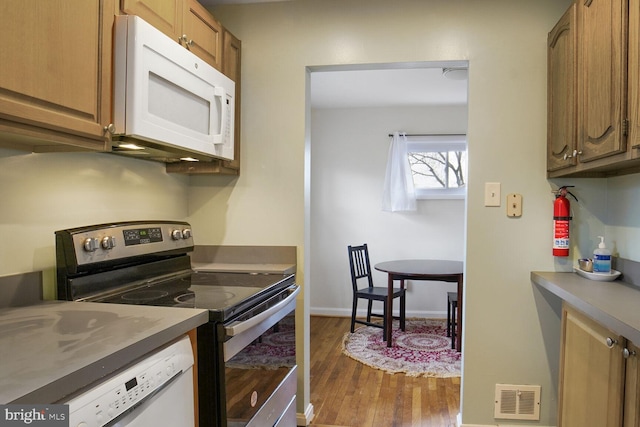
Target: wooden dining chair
point(361, 269)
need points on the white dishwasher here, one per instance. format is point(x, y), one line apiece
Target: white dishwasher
point(156, 391)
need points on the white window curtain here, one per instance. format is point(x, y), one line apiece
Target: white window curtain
point(399, 194)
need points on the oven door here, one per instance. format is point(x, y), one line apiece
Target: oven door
point(247, 372)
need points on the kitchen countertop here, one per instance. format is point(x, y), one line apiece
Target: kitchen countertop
point(53, 349)
point(612, 304)
point(245, 259)
point(220, 267)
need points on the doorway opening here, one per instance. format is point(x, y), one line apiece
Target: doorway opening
point(351, 110)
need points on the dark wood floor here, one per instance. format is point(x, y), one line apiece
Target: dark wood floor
point(346, 393)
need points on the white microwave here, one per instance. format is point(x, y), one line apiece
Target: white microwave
point(169, 105)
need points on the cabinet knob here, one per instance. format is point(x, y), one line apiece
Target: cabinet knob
point(611, 342)
point(575, 153)
point(111, 128)
point(186, 40)
point(626, 353)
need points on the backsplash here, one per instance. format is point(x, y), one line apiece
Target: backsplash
point(21, 289)
point(630, 270)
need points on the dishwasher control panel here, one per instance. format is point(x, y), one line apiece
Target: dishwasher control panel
point(122, 393)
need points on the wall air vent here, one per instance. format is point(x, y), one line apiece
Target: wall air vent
point(517, 402)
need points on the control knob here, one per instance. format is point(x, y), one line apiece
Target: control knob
point(108, 242)
point(176, 234)
point(186, 233)
point(90, 244)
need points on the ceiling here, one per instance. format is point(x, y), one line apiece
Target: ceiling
point(386, 88)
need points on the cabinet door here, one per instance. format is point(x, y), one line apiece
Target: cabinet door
point(202, 33)
point(591, 373)
point(634, 77)
point(632, 388)
point(55, 81)
point(602, 78)
point(561, 92)
point(165, 15)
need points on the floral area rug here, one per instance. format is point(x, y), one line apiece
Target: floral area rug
point(422, 350)
point(276, 348)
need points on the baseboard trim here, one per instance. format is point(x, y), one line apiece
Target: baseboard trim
point(305, 419)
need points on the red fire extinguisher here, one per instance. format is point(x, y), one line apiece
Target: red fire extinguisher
point(561, 218)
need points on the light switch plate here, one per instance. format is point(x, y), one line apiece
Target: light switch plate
point(492, 194)
point(514, 205)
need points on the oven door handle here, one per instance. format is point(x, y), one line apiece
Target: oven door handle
point(236, 328)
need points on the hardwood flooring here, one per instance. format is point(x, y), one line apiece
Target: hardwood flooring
point(346, 393)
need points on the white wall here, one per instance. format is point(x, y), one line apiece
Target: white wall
point(42, 193)
point(505, 338)
point(349, 150)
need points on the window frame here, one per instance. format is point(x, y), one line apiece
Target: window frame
point(438, 143)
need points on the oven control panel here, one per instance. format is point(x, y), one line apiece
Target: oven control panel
point(111, 242)
point(105, 403)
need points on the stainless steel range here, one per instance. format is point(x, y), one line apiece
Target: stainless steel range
point(246, 352)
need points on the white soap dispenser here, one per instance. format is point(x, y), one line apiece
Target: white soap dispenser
point(602, 258)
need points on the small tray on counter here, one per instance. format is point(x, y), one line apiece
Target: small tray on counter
point(600, 277)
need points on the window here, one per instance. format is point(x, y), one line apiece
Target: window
point(438, 165)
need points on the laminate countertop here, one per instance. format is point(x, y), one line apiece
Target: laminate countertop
point(614, 305)
point(256, 268)
point(51, 350)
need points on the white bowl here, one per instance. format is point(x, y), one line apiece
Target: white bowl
point(600, 277)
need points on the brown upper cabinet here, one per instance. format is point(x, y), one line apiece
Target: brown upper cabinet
point(185, 21)
point(55, 84)
point(561, 93)
point(593, 88)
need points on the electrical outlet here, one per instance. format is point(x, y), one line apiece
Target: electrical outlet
point(492, 194)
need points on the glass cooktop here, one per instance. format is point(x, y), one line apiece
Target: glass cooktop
point(221, 293)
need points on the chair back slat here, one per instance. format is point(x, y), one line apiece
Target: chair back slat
point(360, 266)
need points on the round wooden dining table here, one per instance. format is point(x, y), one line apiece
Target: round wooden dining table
point(434, 270)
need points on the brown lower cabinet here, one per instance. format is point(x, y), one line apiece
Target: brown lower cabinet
point(599, 376)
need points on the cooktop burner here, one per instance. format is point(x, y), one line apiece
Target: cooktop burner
point(140, 297)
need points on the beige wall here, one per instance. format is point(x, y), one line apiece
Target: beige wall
point(42, 193)
point(505, 44)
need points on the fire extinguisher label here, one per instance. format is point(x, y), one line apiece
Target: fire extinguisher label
point(560, 244)
point(561, 235)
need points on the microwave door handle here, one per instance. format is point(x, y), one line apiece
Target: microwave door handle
point(236, 328)
point(218, 92)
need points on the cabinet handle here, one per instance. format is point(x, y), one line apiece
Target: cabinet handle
point(186, 40)
point(574, 154)
point(626, 353)
point(611, 342)
point(110, 128)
